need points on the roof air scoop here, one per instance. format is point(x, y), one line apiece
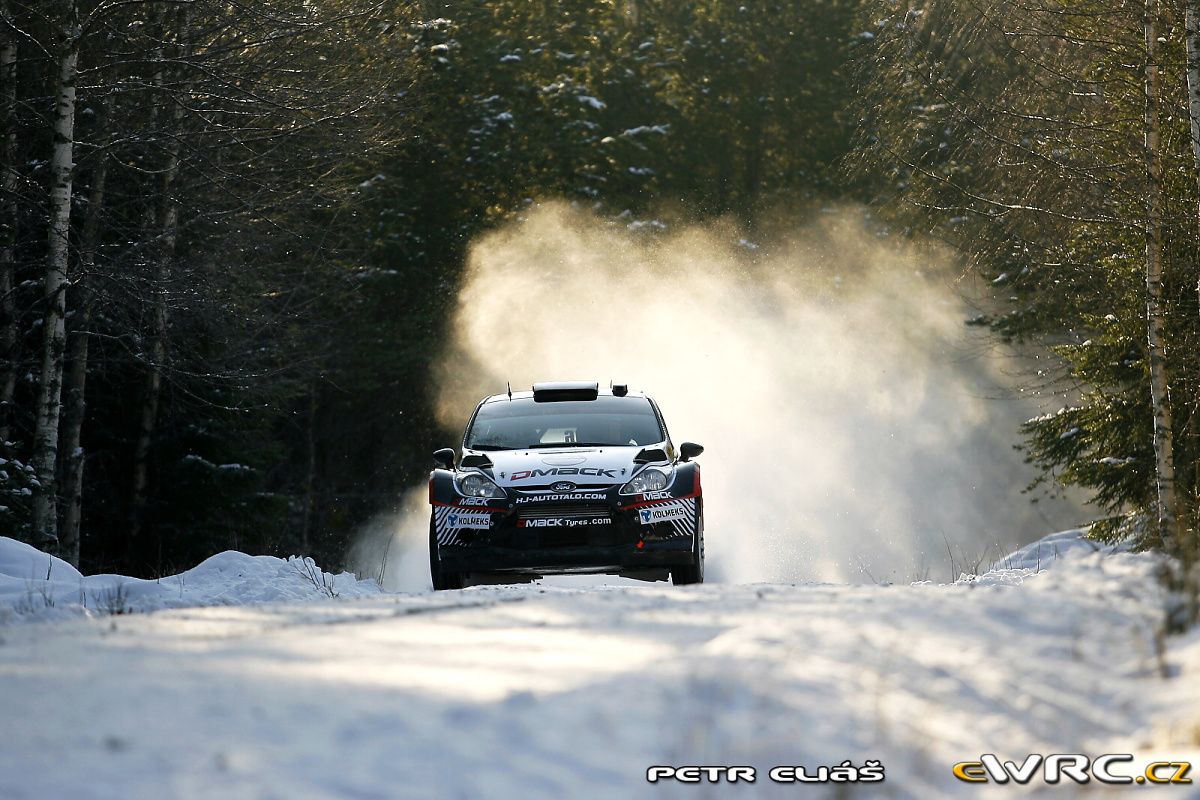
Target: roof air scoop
point(559, 391)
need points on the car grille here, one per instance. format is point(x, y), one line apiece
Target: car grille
point(564, 510)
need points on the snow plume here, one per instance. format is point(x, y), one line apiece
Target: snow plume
point(849, 422)
point(394, 548)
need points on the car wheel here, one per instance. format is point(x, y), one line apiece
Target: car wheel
point(441, 579)
point(682, 574)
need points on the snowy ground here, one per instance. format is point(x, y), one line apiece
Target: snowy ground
point(275, 690)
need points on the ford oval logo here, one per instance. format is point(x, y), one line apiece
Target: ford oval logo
point(563, 486)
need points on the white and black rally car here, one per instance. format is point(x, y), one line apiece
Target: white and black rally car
point(567, 478)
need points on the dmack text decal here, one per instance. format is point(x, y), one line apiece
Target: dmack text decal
point(539, 473)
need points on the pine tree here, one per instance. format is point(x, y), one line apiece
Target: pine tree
point(1010, 130)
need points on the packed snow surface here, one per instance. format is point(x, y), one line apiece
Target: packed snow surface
point(277, 690)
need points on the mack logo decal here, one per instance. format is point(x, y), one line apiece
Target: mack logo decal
point(541, 473)
point(473, 501)
point(652, 515)
point(544, 497)
point(562, 523)
point(469, 521)
point(659, 495)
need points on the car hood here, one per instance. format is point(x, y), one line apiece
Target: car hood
point(582, 466)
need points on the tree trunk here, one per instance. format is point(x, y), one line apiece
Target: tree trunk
point(1190, 534)
point(74, 456)
point(49, 402)
point(1192, 41)
point(8, 224)
point(159, 317)
point(1155, 306)
point(310, 471)
point(157, 357)
point(77, 360)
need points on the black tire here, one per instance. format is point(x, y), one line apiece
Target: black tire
point(441, 580)
point(684, 574)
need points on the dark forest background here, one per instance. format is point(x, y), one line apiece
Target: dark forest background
point(235, 286)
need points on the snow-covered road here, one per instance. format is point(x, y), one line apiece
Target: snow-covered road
point(551, 692)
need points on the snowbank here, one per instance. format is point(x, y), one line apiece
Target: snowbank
point(1039, 556)
point(37, 586)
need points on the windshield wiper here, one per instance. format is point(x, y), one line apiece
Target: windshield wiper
point(490, 447)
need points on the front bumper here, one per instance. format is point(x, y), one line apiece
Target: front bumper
point(597, 530)
point(541, 560)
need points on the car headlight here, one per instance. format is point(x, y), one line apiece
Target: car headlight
point(650, 479)
point(476, 485)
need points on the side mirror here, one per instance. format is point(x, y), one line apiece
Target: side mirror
point(445, 458)
point(689, 450)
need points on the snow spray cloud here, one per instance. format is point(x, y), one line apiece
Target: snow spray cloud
point(850, 431)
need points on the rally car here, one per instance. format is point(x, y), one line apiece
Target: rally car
point(567, 478)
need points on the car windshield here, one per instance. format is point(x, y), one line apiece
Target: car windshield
point(522, 423)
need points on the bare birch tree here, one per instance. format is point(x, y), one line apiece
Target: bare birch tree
point(9, 222)
point(206, 200)
point(1155, 304)
point(78, 342)
point(54, 281)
